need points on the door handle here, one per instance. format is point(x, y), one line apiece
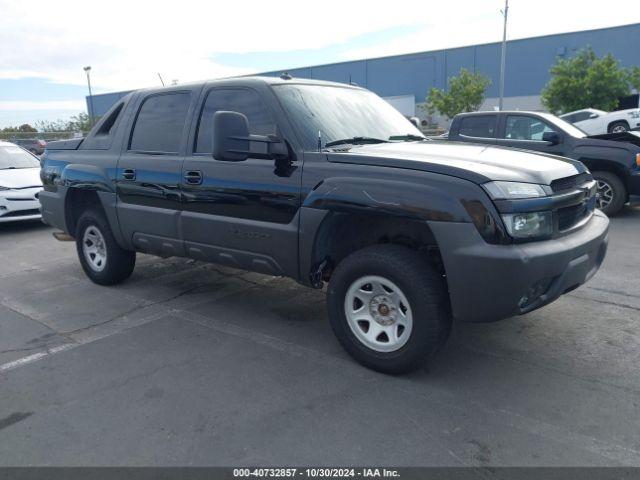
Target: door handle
point(193, 177)
point(129, 174)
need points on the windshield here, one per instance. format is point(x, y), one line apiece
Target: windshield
point(563, 125)
point(339, 113)
point(12, 156)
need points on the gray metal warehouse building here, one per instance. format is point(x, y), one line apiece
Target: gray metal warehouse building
point(404, 80)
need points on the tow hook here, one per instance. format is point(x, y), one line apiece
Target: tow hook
point(316, 276)
point(62, 237)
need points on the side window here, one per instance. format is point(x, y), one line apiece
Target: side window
point(570, 118)
point(160, 123)
point(244, 101)
point(521, 127)
point(579, 117)
point(480, 126)
point(110, 121)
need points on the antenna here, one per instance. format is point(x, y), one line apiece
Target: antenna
point(160, 77)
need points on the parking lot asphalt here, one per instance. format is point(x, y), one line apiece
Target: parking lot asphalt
point(194, 364)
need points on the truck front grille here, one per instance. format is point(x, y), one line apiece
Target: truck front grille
point(568, 183)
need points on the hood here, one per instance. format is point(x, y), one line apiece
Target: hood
point(477, 163)
point(624, 137)
point(20, 178)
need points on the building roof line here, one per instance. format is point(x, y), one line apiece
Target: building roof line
point(438, 50)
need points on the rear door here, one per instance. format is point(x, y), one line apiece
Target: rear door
point(481, 128)
point(244, 213)
point(149, 171)
point(526, 131)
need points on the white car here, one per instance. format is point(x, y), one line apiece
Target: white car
point(20, 184)
point(598, 122)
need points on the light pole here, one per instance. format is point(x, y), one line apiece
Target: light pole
point(87, 70)
point(503, 58)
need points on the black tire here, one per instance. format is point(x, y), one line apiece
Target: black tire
point(618, 126)
point(613, 182)
point(424, 290)
point(119, 263)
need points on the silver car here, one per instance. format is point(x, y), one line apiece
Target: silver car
point(20, 184)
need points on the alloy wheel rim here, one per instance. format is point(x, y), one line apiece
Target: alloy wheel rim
point(618, 129)
point(605, 194)
point(378, 313)
point(94, 248)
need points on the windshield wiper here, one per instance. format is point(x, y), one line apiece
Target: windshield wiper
point(355, 141)
point(407, 138)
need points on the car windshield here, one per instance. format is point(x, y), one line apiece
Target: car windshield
point(12, 156)
point(564, 125)
point(343, 115)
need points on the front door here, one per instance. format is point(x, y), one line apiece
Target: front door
point(245, 213)
point(526, 131)
point(149, 172)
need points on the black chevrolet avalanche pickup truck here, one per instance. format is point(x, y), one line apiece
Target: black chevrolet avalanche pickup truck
point(613, 159)
point(325, 182)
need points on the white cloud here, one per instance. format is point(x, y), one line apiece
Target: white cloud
point(21, 105)
point(128, 41)
point(469, 22)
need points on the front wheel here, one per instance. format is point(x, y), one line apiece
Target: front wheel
point(618, 127)
point(612, 194)
point(388, 308)
point(102, 259)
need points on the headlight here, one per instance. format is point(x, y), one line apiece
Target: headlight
point(528, 225)
point(514, 190)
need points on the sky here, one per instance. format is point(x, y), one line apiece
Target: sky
point(44, 45)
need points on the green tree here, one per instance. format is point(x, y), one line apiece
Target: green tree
point(634, 78)
point(80, 123)
point(25, 127)
point(585, 81)
point(51, 126)
point(77, 123)
point(465, 94)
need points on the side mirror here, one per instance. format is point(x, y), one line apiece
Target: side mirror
point(552, 137)
point(415, 121)
point(230, 136)
point(594, 115)
point(232, 140)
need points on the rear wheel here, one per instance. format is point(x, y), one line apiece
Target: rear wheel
point(618, 127)
point(102, 259)
point(612, 194)
point(388, 308)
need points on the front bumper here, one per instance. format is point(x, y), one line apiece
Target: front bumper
point(20, 204)
point(488, 282)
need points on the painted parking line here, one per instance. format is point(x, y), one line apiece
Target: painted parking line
point(36, 356)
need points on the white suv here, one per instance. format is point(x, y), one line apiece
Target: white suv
point(597, 122)
point(20, 184)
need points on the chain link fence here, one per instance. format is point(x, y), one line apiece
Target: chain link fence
point(46, 136)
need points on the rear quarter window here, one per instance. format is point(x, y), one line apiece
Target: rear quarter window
point(101, 136)
point(479, 126)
